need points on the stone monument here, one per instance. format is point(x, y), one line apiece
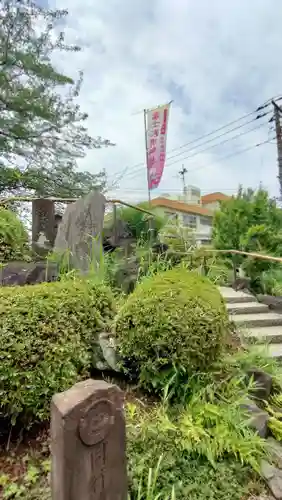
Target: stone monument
point(79, 233)
point(88, 443)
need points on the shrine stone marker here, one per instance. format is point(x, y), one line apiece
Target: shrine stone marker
point(43, 221)
point(79, 232)
point(88, 443)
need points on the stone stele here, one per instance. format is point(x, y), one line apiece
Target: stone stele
point(79, 233)
point(88, 443)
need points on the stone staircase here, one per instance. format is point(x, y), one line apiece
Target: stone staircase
point(254, 320)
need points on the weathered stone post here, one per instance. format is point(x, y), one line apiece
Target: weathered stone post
point(88, 443)
point(43, 220)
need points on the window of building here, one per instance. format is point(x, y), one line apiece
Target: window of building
point(190, 221)
point(195, 193)
point(171, 217)
point(206, 221)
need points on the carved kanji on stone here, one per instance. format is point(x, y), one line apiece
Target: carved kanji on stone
point(88, 443)
point(79, 233)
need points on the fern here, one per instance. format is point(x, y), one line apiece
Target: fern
point(276, 401)
point(212, 425)
point(212, 430)
point(275, 423)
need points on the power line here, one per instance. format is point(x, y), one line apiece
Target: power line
point(241, 134)
point(220, 143)
point(179, 190)
point(237, 153)
point(260, 108)
point(223, 134)
point(141, 164)
point(232, 154)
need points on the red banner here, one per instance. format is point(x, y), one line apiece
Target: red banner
point(156, 134)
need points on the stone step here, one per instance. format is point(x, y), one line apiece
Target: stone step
point(256, 319)
point(246, 308)
point(264, 334)
point(230, 296)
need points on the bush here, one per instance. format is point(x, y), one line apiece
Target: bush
point(13, 237)
point(46, 333)
point(178, 238)
point(137, 223)
point(216, 267)
point(271, 282)
point(208, 450)
point(173, 320)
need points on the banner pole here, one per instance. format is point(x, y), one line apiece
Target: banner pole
point(147, 166)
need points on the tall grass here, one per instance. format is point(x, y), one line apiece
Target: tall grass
point(98, 263)
point(149, 490)
point(271, 282)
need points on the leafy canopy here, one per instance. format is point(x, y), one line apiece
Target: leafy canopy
point(239, 214)
point(42, 129)
point(251, 222)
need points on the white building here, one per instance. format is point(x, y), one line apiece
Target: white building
point(191, 210)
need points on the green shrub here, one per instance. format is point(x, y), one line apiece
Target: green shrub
point(13, 237)
point(177, 237)
point(219, 273)
point(173, 320)
point(46, 333)
point(271, 282)
point(137, 222)
point(207, 449)
point(213, 265)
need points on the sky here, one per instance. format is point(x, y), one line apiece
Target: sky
point(216, 60)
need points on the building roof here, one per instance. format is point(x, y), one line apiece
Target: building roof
point(212, 197)
point(180, 206)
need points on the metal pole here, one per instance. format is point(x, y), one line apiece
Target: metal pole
point(115, 224)
point(277, 114)
point(149, 191)
point(182, 173)
point(146, 146)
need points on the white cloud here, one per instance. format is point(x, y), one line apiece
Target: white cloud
point(217, 61)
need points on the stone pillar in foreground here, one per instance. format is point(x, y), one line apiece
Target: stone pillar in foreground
point(88, 443)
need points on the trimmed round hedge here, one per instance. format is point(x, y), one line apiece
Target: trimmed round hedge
point(46, 335)
point(175, 318)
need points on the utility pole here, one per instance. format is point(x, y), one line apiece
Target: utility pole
point(277, 117)
point(182, 173)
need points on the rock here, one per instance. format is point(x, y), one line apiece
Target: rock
point(104, 356)
point(241, 284)
point(258, 418)
point(274, 303)
point(79, 233)
point(160, 248)
point(263, 383)
point(28, 273)
point(108, 347)
point(108, 247)
point(126, 274)
point(275, 449)
point(273, 477)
